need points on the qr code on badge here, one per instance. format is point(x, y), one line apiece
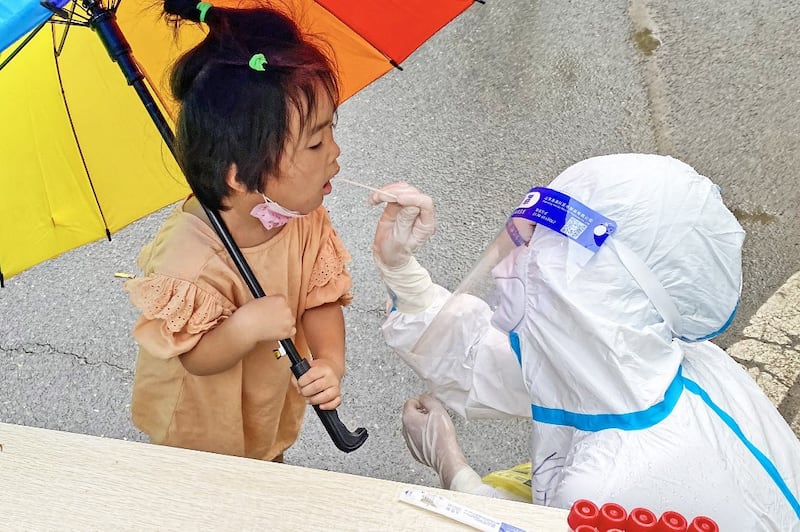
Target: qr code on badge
point(573, 228)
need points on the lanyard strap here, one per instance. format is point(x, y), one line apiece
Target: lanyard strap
point(648, 282)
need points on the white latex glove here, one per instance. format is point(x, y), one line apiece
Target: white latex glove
point(431, 437)
point(407, 222)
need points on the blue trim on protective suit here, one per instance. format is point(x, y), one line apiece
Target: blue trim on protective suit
point(647, 418)
point(513, 339)
point(631, 421)
point(765, 462)
point(718, 331)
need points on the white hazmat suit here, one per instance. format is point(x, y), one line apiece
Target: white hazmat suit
point(607, 352)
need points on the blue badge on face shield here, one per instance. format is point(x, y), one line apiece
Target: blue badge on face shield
point(566, 215)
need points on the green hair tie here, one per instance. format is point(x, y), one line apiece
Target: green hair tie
point(258, 62)
point(203, 8)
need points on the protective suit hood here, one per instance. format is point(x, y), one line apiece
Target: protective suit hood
point(673, 220)
point(585, 319)
point(594, 324)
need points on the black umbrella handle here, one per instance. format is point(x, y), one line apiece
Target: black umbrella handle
point(104, 22)
point(343, 439)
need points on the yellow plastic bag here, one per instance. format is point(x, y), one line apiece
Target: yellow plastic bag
point(515, 481)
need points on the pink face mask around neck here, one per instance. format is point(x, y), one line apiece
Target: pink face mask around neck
point(272, 214)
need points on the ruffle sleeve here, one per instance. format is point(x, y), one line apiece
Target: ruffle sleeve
point(175, 313)
point(330, 281)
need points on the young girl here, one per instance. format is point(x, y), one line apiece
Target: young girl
point(255, 141)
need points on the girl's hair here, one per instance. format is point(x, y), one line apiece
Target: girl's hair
point(231, 113)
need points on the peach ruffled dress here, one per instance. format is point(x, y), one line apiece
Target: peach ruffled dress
point(190, 284)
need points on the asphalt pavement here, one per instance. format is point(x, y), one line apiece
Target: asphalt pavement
point(502, 99)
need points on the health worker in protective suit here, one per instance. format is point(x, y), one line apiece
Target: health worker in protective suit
point(590, 313)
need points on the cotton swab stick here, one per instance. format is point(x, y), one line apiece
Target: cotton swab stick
point(343, 180)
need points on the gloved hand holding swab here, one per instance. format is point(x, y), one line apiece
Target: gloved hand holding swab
point(406, 224)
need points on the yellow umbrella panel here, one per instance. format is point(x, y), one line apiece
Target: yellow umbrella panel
point(77, 164)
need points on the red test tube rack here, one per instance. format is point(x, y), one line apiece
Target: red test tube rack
point(585, 516)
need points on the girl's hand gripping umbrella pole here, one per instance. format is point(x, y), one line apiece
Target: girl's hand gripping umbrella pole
point(103, 21)
point(344, 439)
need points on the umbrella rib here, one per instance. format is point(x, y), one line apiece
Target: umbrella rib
point(77, 140)
point(67, 17)
point(60, 47)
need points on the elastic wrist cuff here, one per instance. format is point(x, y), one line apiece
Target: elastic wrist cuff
point(466, 480)
point(410, 286)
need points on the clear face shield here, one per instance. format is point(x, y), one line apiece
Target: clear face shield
point(490, 296)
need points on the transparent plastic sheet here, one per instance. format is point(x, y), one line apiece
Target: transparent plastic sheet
point(490, 302)
point(583, 230)
point(476, 293)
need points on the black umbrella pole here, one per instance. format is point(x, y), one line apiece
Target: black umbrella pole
point(344, 439)
point(104, 22)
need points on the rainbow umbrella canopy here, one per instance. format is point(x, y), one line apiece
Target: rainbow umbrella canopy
point(81, 155)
